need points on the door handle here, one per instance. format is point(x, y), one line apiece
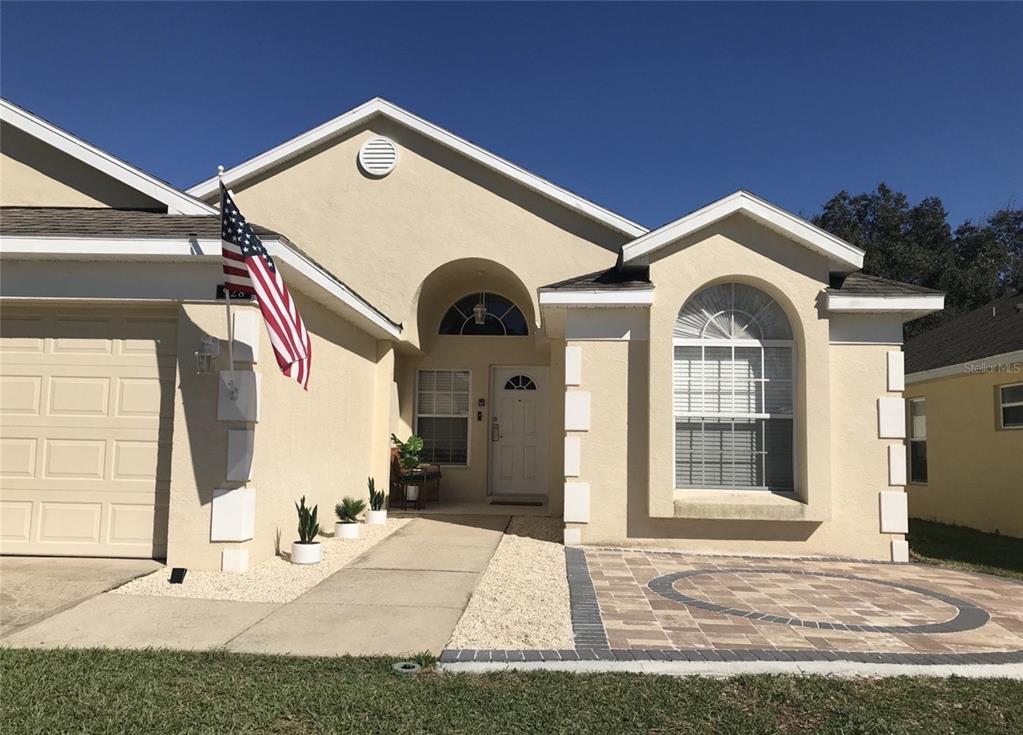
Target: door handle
point(495, 431)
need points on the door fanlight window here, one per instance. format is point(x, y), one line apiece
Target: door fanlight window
point(520, 382)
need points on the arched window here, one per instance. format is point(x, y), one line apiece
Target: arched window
point(733, 388)
point(520, 382)
point(484, 313)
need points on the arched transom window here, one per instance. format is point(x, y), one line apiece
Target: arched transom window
point(519, 382)
point(733, 388)
point(484, 313)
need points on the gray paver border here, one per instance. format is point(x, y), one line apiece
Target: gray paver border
point(461, 655)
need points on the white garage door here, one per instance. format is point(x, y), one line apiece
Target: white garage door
point(86, 407)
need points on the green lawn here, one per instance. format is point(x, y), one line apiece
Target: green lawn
point(171, 692)
point(964, 549)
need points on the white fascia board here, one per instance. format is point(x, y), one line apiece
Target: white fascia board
point(963, 368)
point(88, 248)
point(177, 202)
point(912, 306)
point(183, 249)
point(377, 106)
point(597, 298)
point(845, 257)
point(317, 276)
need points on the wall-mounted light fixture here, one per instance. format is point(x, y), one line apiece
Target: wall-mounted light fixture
point(209, 350)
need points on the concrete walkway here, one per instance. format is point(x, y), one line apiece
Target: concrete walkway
point(33, 588)
point(405, 595)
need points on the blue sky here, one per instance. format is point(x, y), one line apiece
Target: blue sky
point(651, 110)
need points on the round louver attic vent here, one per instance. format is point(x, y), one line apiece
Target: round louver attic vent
point(378, 156)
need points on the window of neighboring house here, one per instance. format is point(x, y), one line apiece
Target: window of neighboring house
point(484, 313)
point(918, 440)
point(733, 391)
point(1011, 400)
point(442, 415)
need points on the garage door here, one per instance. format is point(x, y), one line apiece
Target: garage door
point(86, 407)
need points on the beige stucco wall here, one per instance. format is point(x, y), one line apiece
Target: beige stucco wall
point(34, 174)
point(323, 443)
point(974, 467)
point(435, 229)
point(841, 464)
point(385, 236)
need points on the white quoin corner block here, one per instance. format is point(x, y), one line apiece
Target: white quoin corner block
point(573, 365)
point(577, 410)
point(243, 404)
point(897, 464)
point(577, 502)
point(246, 335)
point(573, 456)
point(894, 512)
point(891, 418)
point(233, 515)
point(235, 561)
point(900, 551)
point(240, 443)
point(573, 537)
point(896, 371)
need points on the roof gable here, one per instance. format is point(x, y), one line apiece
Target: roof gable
point(378, 106)
point(176, 201)
point(844, 257)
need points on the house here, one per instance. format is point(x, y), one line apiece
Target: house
point(729, 381)
point(964, 391)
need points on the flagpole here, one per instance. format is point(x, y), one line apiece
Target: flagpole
point(227, 286)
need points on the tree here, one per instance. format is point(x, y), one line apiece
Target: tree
point(973, 264)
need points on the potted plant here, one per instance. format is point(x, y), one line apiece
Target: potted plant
point(410, 456)
point(347, 512)
point(307, 549)
point(377, 514)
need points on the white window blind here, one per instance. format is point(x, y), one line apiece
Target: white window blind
point(442, 415)
point(733, 391)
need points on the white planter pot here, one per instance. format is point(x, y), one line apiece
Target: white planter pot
point(376, 517)
point(346, 530)
point(412, 492)
point(306, 553)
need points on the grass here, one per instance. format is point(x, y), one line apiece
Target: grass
point(157, 692)
point(965, 549)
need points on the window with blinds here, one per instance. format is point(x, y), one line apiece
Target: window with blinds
point(733, 391)
point(442, 415)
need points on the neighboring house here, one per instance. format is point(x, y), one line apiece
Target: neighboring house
point(964, 386)
point(726, 382)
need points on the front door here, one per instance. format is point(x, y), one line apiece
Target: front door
point(518, 431)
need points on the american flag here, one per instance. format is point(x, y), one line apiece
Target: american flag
point(248, 268)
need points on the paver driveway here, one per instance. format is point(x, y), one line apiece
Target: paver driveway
point(661, 601)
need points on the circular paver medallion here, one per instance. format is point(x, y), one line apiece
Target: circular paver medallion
point(820, 600)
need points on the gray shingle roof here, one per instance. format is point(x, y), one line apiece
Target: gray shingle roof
point(101, 222)
point(860, 284)
point(612, 279)
point(993, 329)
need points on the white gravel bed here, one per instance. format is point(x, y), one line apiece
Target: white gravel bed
point(522, 599)
point(274, 580)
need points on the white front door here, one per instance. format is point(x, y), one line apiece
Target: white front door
point(518, 431)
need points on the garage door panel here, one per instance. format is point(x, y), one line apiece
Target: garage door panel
point(15, 520)
point(20, 395)
point(86, 407)
point(18, 456)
